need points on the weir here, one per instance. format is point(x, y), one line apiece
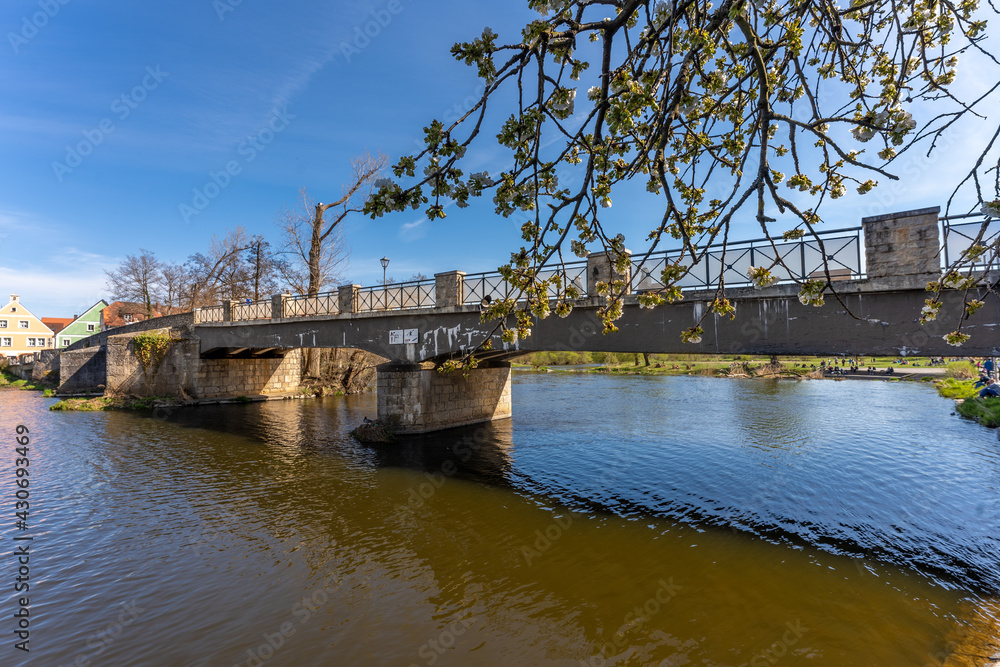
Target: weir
point(245, 348)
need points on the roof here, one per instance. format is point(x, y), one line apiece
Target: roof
point(57, 324)
point(113, 314)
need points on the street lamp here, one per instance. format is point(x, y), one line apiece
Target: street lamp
point(385, 288)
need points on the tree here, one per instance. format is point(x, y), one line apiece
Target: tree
point(261, 267)
point(311, 232)
point(313, 242)
point(137, 278)
point(174, 281)
point(685, 95)
point(219, 273)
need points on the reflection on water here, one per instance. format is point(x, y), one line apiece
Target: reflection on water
point(613, 521)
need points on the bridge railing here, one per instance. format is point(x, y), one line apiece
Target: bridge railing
point(799, 260)
point(252, 310)
point(960, 232)
point(209, 314)
point(478, 286)
point(398, 296)
point(303, 305)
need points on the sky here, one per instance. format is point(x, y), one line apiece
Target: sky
point(158, 125)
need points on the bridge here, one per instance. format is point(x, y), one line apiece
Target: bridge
point(879, 269)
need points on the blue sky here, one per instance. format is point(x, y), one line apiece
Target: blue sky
point(162, 95)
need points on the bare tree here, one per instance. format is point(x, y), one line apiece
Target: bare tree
point(137, 278)
point(174, 281)
point(311, 231)
point(261, 268)
point(215, 275)
point(312, 237)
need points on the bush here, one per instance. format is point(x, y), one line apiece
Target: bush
point(962, 370)
point(984, 410)
point(953, 388)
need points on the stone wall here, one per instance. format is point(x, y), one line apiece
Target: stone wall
point(416, 400)
point(247, 377)
point(174, 376)
point(46, 366)
point(902, 244)
point(82, 370)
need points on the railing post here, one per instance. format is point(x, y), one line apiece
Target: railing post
point(278, 306)
point(347, 298)
point(227, 310)
point(600, 268)
point(449, 289)
point(902, 244)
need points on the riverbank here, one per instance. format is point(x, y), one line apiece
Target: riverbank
point(134, 403)
point(10, 381)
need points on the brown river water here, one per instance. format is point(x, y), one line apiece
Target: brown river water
point(612, 521)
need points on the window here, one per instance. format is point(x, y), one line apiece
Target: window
point(31, 342)
point(6, 342)
point(90, 327)
point(13, 309)
point(128, 318)
point(23, 324)
point(3, 324)
point(66, 342)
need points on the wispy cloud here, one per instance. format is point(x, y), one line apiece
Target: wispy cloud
point(413, 231)
point(50, 293)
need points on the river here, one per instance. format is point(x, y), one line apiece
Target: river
point(613, 521)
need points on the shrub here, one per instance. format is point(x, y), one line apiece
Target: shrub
point(953, 388)
point(962, 369)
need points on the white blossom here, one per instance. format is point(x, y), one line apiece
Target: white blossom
point(594, 93)
point(991, 209)
point(863, 134)
point(554, 6)
point(483, 178)
point(565, 106)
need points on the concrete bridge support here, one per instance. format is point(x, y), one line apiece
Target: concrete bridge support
point(413, 399)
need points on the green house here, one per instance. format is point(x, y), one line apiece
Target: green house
point(85, 325)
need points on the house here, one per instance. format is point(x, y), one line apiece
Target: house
point(82, 326)
point(57, 324)
point(20, 331)
point(120, 313)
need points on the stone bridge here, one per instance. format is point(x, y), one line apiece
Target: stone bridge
point(241, 348)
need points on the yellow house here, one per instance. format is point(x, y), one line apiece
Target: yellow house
point(20, 331)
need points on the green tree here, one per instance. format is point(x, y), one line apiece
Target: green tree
point(788, 103)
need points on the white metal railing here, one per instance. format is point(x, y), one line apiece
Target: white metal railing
point(303, 305)
point(399, 296)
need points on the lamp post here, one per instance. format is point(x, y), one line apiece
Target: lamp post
point(385, 288)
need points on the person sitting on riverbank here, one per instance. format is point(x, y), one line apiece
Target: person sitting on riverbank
point(992, 390)
point(983, 381)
